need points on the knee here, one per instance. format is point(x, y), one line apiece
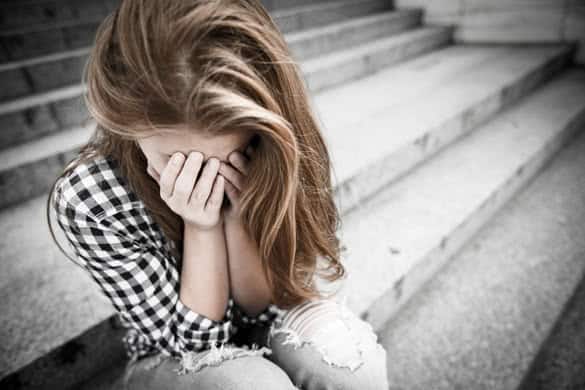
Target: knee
point(340, 351)
point(245, 373)
point(311, 368)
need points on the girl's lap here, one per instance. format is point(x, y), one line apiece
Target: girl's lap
point(243, 372)
point(316, 345)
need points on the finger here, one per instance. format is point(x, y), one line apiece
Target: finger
point(169, 174)
point(186, 180)
point(232, 192)
point(239, 161)
point(216, 198)
point(232, 175)
point(152, 173)
point(205, 183)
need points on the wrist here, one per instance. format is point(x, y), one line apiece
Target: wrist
point(192, 228)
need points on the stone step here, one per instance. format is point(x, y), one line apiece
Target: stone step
point(71, 25)
point(24, 175)
point(318, 41)
point(368, 58)
point(481, 320)
point(558, 365)
point(21, 17)
point(287, 4)
point(44, 265)
point(315, 14)
point(422, 106)
point(45, 73)
point(399, 238)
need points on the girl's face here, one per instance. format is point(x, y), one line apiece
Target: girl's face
point(158, 149)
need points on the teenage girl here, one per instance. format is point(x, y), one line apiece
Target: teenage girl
point(203, 202)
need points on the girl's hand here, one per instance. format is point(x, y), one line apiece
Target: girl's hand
point(235, 174)
point(198, 204)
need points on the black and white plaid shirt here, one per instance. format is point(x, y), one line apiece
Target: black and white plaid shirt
point(123, 249)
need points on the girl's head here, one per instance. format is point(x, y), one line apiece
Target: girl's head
point(216, 76)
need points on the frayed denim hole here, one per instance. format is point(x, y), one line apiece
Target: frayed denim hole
point(192, 362)
point(345, 321)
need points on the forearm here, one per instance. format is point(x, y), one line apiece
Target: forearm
point(248, 284)
point(204, 276)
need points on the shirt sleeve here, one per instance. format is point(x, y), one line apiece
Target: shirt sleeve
point(264, 318)
point(140, 282)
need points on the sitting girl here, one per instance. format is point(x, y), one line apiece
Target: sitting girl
point(203, 202)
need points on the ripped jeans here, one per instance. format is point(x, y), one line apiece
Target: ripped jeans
point(318, 345)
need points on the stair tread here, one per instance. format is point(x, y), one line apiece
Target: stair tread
point(400, 104)
point(419, 214)
point(282, 17)
point(378, 17)
point(374, 45)
point(481, 320)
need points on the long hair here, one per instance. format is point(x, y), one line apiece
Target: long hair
point(219, 66)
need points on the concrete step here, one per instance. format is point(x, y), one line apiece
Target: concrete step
point(558, 365)
point(19, 162)
point(22, 17)
point(315, 14)
point(287, 4)
point(399, 238)
point(427, 75)
point(356, 62)
point(45, 73)
point(422, 106)
point(44, 29)
point(318, 41)
point(479, 323)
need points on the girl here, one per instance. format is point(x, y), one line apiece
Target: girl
point(203, 200)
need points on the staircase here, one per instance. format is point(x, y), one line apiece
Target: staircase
point(445, 210)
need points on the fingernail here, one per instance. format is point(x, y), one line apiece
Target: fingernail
point(177, 157)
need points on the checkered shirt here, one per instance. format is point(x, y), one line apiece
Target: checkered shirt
point(116, 240)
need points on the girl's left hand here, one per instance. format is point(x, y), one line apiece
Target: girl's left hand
point(235, 173)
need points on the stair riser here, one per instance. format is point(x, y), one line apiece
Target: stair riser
point(303, 48)
point(83, 357)
point(33, 39)
point(22, 46)
point(288, 21)
point(21, 17)
point(53, 73)
point(357, 189)
point(43, 119)
point(385, 306)
point(285, 4)
point(355, 68)
point(34, 179)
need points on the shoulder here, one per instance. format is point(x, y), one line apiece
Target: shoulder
point(94, 188)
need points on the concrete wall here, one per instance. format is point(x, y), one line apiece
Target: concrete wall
point(508, 20)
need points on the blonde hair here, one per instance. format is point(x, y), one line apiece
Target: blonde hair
point(214, 66)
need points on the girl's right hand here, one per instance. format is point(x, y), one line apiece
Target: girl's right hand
point(198, 204)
